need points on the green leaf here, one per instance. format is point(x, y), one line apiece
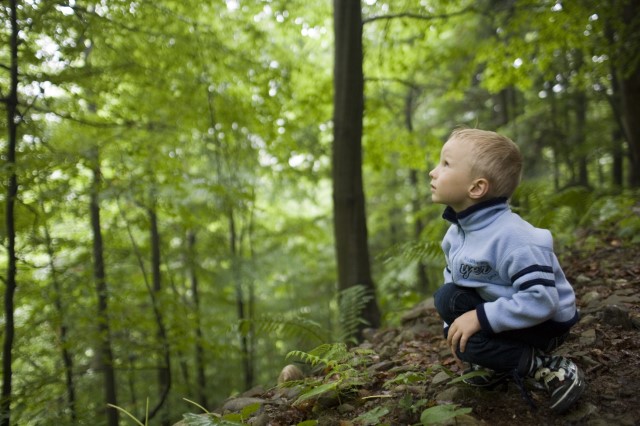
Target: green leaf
point(440, 413)
point(469, 375)
point(372, 417)
point(249, 410)
point(317, 391)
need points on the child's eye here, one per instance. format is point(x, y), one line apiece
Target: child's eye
point(445, 163)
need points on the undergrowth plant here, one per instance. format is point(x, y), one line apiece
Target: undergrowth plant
point(352, 302)
point(339, 366)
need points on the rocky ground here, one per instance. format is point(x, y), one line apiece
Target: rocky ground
point(399, 372)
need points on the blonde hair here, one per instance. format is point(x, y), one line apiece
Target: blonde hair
point(493, 157)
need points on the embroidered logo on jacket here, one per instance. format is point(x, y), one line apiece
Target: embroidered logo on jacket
point(479, 269)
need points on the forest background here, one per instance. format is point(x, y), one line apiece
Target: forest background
point(169, 171)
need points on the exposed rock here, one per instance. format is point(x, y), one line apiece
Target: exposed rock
point(237, 404)
point(614, 315)
point(290, 373)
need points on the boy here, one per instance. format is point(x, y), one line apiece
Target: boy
point(506, 303)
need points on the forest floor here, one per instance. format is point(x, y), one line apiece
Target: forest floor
point(605, 344)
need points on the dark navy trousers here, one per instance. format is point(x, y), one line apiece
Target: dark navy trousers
point(507, 351)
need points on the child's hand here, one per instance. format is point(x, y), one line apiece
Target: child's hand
point(465, 326)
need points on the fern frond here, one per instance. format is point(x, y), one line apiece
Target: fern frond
point(352, 302)
point(413, 251)
point(328, 354)
point(287, 327)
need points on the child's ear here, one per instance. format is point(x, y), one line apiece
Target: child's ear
point(479, 188)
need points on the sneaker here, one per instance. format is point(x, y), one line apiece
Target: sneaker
point(564, 381)
point(483, 377)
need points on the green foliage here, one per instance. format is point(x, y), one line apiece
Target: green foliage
point(615, 216)
point(441, 413)
point(210, 419)
point(220, 117)
point(410, 377)
point(327, 355)
point(372, 417)
point(572, 212)
point(414, 251)
point(352, 302)
point(549, 209)
point(339, 367)
point(286, 327)
point(190, 419)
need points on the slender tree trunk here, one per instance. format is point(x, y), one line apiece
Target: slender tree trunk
point(164, 370)
point(12, 192)
point(247, 362)
point(629, 81)
point(580, 136)
point(105, 352)
point(350, 226)
point(421, 269)
point(630, 97)
point(67, 359)
point(201, 378)
point(617, 136)
point(580, 131)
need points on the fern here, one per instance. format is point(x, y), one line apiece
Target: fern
point(414, 251)
point(287, 327)
point(550, 209)
point(338, 365)
point(352, 302)
point(329, 355)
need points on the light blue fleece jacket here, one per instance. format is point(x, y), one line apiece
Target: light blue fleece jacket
point(512, 266)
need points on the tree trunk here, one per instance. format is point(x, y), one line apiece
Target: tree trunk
point(630, 97)
point(67, 359)
point(629, 81)
point(201, 378)
point(247, 362)
point(12, 192)
point(579, 133)
point(422, 279)
point(105, 353)
point(580, 136)
point(350, 225)
point(164, 370)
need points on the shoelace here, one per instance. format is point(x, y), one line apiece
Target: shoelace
point(523, 390)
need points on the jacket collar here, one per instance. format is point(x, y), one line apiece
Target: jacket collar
point(477, 216)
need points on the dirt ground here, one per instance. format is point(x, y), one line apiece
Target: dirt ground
point(605, 344)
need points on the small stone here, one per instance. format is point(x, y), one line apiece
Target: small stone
point(592, 296)
point(616, 316)
point(440, 377)
point(254, 392)
point(261, 420)
point(382, 366)
point(588, 337)
point(346, 408)
point(290, 373)
point(237, 404)
point(582, 279)
point(452, 393)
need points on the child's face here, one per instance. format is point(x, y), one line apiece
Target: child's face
point(451, 180)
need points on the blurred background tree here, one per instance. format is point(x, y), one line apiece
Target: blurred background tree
point(167, 177)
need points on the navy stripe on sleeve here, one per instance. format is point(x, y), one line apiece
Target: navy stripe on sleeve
point(538, 281)
point(530, 269)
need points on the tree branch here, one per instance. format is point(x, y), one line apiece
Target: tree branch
point(419, 16)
